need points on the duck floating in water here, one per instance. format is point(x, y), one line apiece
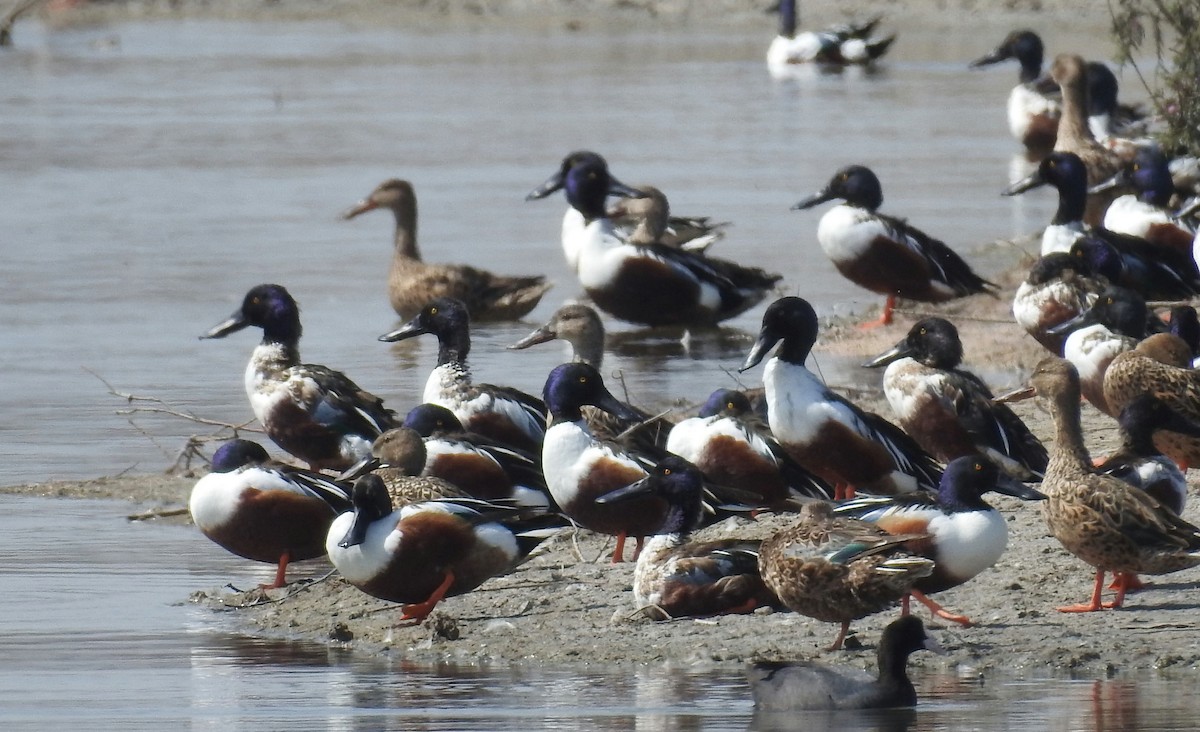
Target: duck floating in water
point(842, 45)
point(425, 552)
point(578, 325)
point(950, 412)
point(647, 220)
point(1100, 519)
point(649, 285)
point(265, 511)
point(412, 282)
point(824, 432)
point(966, 534)
point(806, 685)
point(313, 412)
point(884, 254)
point(1032, 112)
point(1059, 287)
point(676, 577)
point(500, 412)
point(1159, 365)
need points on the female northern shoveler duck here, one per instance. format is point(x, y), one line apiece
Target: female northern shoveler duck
point(485, 468)
point(265, 511)
point(412, 283)
point(1139, 462)
point(313, 412)
point(1104, 521)
point(1032, 112)
point(731, 446)
point(884, 254)
point(824, 432)
point(1146, 213)
point(1114, 324)
point(580, 468)
point(1058, 288)
point(678, 578)
point(839, 569)
point(1160, 365)
point(398, 457)
point(1150, 268)
point(803, 685)
point(966, 535)
point(840, 45)
point(951, 412)
point(647, 221)
point(499, 412)
point(578, 325)
point(652, 285)
point(428, 551)
point(1075, 136)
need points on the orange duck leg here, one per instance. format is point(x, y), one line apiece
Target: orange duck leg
point(417, 612)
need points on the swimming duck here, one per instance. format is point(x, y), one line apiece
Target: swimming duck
point(676, 577)
point(824, 432)
point(652, 285)
point(1100, 519)
point(647, 220)
point(265, 511)
point(1059, 287)
point(731, 446)
point(313, 412)
point(578, 325)
point(580, 468)
point(1075, 135)
point(1146, 213)
point(1032, 113)
point(884, 254)
point(412, 283)
point(1139, 462)
point(484, 468)
point(948, 411)
point(1160, 365)
point(804, 685)
point(838, 45)
point(500, 412)
point(966, 535)
point(422, 553)
point(839, 569)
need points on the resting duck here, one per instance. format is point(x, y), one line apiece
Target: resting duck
point(841, 45)
point(313, 412)
point(1160, 365)
point(1059, 287)
point(1146, 214)
point(805, 685)
point(499, 412)
point(1185, 324)
point(1103, 520)
point(1075, 135)
point(412, 283)
point(647, 220)
point(731, 446)
point(265, 511)
point(950, 412)
point(1139, 462)
point(1032, 113)
point(428, 551)
point(652, 285)
point(676, 577)
point(579, 468)
point(482, 467)
point(884, 254)
point(578, 325)
point(839, 569)
point(398, 458)
point(966, 535)
point(1118, 127)
point(824, 432)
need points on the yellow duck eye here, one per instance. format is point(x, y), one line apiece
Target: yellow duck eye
point(729, 405)
point(433, 311)
point(583, 379)
point(923, 331)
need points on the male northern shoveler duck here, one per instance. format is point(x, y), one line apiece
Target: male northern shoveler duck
point(1100, 519)
point(649, 285)
point(647, 220)
point(1160, 365)
point(578, 325)
point(265, 511)
point(398, 457)
point(840, 45)
point(884, 254)
point(422, 553)
point(1139, 462)
point(948, 411)
point(1059, 287)
point(839, 569)
point(1146, 214)
point(485, 468)
point(731, 446)
point(313, 412)
point(966, 535)
point(805, 685)
point(1075, 135)
point(1032, 112)
point(412, 283)
point(676, 577)
point(499, 412)
point(824, 432)
point(1115, 323)
point(580, 468)
point(1185, 324)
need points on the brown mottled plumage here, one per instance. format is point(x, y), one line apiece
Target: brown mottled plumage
point(1160, 365)
point(1075, 136)
point(402, 454)
point(649, 221)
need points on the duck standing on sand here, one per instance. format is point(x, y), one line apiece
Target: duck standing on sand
point(412, 283)
point(824, 432)
point(313, 412)
point(1160, 365)
point(884, 254)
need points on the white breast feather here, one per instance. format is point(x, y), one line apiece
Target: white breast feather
point(1025, 103)
point(846, 232)
point(908, 384)
point(1060, 237)
point(568, 453)
point(796, 403)
point(360, 563)
point(969, 542)
point(572, 234)
point(1128, 215)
